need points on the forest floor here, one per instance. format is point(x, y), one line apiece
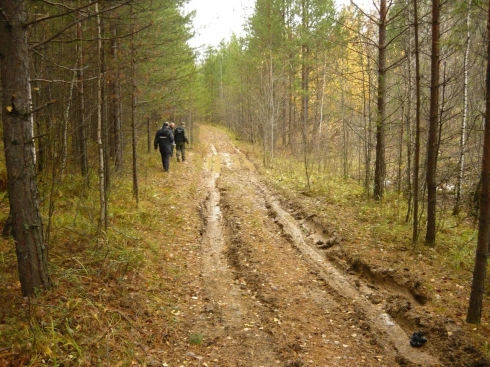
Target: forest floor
point(237, 270)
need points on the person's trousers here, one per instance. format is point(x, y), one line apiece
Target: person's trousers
point(180, 150)
point(165, 161)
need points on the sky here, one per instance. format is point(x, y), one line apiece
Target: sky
point(216, 20)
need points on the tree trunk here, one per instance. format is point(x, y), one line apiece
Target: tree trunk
point(345, 139)
point(400, 149)
point(380, 167)
point(133, 113)
point(118, 110)
point(367, 149)
point(479, 272)
point(305, 83)
point(81, 128)
point(100, 132)
point(104, 114)
point(68, 104)
point(416, 158)
point(272, 109)
point(27, 226)
point(408, 120)
point(462, 143)
point(430, 236)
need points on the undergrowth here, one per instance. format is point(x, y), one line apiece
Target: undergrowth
point(106, 282)
point(388, 221)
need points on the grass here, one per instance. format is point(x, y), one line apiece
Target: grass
point(107, 284)
point(461, 254)
point(383, 222)
point(196, 339)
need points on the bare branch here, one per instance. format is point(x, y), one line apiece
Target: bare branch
point(40, 136)
point(57, 15)
point(78, 21)
point(372, 19)
point(4, 15)
point(62, 81)
point(61, 5)
point(54, 63)
point(43, 107)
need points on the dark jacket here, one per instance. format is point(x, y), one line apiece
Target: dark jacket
point(180, 135)
point(164, 139)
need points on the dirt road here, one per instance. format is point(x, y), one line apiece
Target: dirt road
point(267, 295)
point(225, 267)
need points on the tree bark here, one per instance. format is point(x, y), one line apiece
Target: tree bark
point(31, 250)
point(103, 110)
point(116, 104)
point(380, 167)
point(133, 114)
point(479, 272)
point(430, 236)
point(305, 83)
point(416, 158)
point(100, 127)
point(462, 144)
point(81, 128)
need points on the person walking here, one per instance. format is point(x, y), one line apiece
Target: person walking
point(164, 139)
point(172, 127)
point(181, 140)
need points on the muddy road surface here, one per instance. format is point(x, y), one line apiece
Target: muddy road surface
point(266, 293)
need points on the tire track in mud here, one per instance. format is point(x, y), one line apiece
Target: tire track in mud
point(309, 326)
point(278, 298)
point(379, 320)
point(235, 334)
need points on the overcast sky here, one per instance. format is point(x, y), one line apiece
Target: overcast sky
point(216, 20)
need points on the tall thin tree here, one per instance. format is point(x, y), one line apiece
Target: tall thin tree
point(81, 124)
point(416, 158)
point(480, 269)
point(19, 148)
point(432, 144)
point(100, 132)
point(380, 165)
point(133, 110)
point(462, 143)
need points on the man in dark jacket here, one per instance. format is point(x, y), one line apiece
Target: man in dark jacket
point(181, 140)
point(164, 139)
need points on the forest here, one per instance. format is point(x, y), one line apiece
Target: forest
point(393, 102)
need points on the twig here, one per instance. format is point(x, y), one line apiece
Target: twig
point(124, 234)
point(43, 107)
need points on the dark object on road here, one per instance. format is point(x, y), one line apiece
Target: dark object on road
point(417, 339)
